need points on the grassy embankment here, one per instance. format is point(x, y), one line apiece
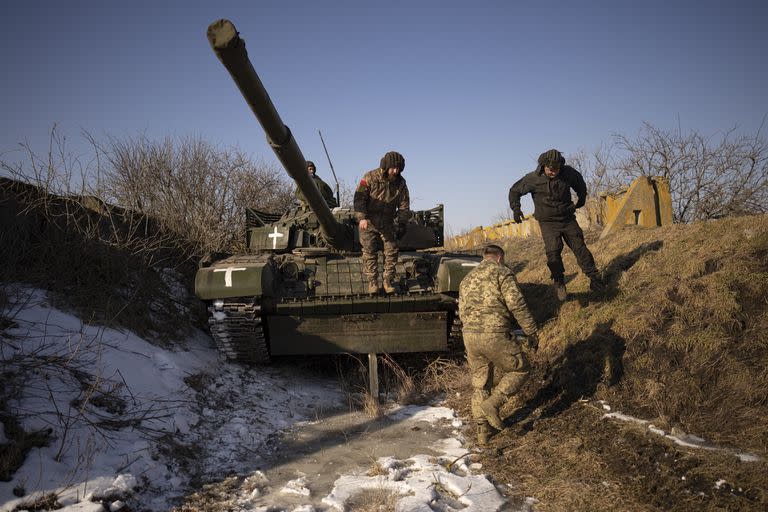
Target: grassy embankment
point(680, 339)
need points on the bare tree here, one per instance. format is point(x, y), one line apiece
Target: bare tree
point(709, 177)
point(598, 169)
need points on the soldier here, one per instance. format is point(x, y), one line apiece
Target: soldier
point(322, 186)
point(550, 187)
point(382, 198)
point(488, 300)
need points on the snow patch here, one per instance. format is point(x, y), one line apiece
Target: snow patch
point(297, 486)
point(423, 484)
point(681, 438)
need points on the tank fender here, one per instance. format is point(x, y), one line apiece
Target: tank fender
point(232, 279)
point(451, 271)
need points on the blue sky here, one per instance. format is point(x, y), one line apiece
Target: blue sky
point(470, 94)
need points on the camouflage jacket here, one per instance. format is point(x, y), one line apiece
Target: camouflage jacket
point(489, 297)
point(324, 189)
point(376, 196)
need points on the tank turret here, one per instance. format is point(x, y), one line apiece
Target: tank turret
point(230, 49)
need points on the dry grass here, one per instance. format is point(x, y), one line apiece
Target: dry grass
point(371, 406)
point(373, 500)
point(680, 339)
point(45, 502)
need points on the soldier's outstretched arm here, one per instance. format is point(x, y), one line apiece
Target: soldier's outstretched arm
point(516, 303)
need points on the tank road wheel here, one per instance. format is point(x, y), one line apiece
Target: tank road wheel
point(455, 337)
point(238, 330)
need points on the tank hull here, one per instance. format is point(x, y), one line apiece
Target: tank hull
point(318, 305)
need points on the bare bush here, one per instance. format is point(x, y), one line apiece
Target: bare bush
point(709, 177)
point(191, 186)
point(188, 186)
point(598, 169)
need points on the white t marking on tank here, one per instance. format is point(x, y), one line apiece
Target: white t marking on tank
point(228, 274)
point(274, 236)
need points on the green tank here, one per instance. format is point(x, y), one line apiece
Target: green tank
point(300, 286)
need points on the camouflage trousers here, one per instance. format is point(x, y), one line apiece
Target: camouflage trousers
point(497, 365)
point(379, 231)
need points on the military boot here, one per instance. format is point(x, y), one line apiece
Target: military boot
point(373, 287)
point(490, 408)
point(388, 287)
point(484, 432)
point(560, 290)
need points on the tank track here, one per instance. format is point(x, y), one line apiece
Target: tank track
point(238, 330)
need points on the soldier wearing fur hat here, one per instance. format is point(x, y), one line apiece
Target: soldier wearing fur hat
point(550, 187)
point(381, 200)
point(323, 187)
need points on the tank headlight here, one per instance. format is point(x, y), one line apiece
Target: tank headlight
point(218, 304)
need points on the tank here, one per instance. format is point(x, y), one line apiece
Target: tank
point(299, 288)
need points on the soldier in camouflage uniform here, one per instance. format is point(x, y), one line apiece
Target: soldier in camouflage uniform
point(381, 199)
point(322, 186)
point(489, 298)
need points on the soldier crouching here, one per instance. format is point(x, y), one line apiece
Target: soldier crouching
point(381, 198)
point(489, 298)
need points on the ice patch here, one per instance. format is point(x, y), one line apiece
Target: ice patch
point(421, 413)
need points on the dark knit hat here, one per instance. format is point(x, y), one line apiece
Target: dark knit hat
point(552, 158)
point(393, 159)
point(310, 163)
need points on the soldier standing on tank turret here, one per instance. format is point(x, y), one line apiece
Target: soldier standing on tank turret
point(550, 187)
point(322, 186)
point(381, 199)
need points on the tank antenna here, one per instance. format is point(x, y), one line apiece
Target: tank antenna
point(338, 196)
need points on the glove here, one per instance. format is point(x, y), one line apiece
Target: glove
point(570, 209)
point(518, 216)
point(533, 342)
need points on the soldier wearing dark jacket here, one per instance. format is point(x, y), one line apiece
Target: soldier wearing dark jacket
point(489, 301)
point(550, 187)
point(322, 186)
point(381, 199)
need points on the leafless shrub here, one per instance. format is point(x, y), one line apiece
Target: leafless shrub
point(598, 169)
point(191, 186)
point(710, 177)
point(49, 364)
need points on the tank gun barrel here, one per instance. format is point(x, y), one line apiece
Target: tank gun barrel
point(230, 49)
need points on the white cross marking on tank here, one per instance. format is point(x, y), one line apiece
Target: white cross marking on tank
point(228, 274)
point(470, 264)
point(274, 236)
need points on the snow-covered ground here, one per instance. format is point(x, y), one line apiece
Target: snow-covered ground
point(132, 423)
